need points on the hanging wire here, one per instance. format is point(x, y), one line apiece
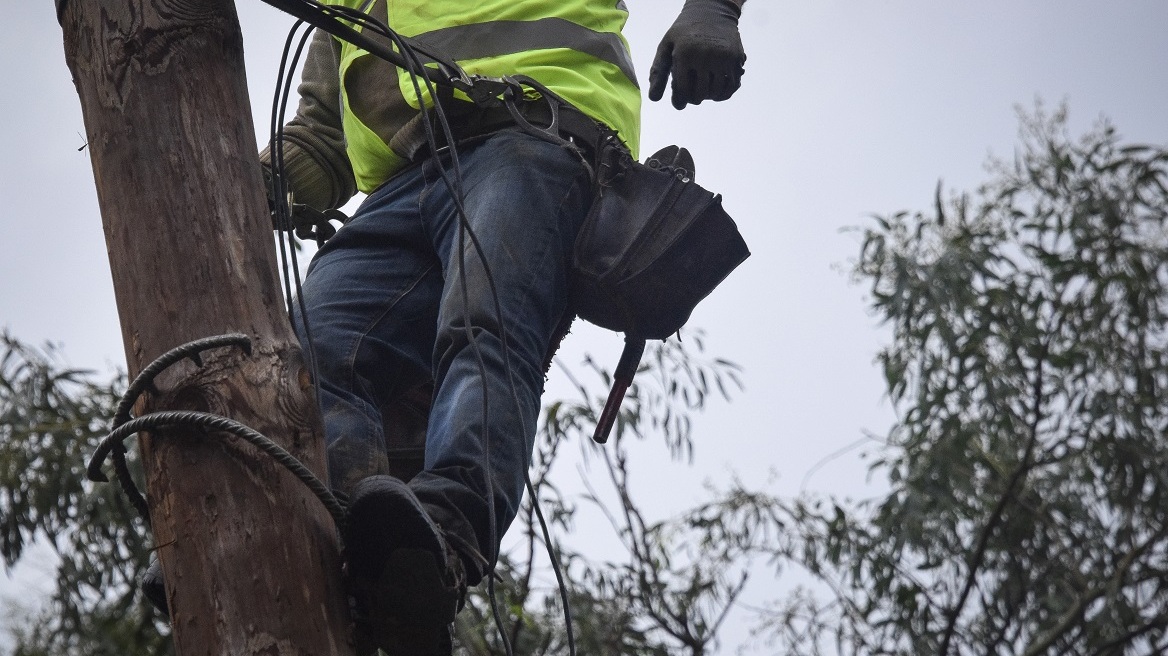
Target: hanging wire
point(458, 195)
point(280, 197)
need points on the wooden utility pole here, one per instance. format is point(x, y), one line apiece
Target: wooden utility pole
point(250, 556)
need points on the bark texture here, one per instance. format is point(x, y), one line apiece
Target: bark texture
point(250, 556)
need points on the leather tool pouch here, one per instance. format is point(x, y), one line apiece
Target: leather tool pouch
point(653, 245)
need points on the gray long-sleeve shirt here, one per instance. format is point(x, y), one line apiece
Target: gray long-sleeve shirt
point(315, 162)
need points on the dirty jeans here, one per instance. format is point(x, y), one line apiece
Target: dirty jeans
point(401, 296)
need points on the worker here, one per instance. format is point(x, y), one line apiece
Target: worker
point(407, 301)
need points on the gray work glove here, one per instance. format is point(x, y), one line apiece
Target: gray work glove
point(308, 222)
point(703, 51)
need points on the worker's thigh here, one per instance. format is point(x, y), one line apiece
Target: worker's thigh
point(505, 261)
point(371, 298)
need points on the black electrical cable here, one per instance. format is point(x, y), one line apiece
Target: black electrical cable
point(277, 185)
point(280, 198)
point(329, 18)
point(557, 569)
point(465, 229)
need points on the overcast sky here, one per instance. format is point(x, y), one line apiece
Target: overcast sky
point(848, 108)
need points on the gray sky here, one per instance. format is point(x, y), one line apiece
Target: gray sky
point(848, 108)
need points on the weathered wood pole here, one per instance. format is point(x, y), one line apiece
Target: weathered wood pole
point(250, 556)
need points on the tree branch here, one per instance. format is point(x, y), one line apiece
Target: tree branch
point(1000, 508)
point(1112, 587)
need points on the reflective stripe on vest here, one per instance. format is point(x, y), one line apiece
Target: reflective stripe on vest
point(483, 40)
point(572, 46)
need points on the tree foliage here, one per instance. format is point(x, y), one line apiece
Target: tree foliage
point(51, 418)
point(1027, 505)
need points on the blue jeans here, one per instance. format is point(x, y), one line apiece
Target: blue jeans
point(389, 311)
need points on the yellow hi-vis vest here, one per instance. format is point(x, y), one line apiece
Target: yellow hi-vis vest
point(574, 47)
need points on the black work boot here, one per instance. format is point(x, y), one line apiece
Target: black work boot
point(154, 587)
point(407, 583)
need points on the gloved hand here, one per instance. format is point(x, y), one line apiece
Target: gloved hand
point(703, 51)
point(308, 222)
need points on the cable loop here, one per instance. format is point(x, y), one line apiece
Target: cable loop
point(192, 350)
point(219, 424)
point(123, 426)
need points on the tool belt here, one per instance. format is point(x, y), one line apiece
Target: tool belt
point(470, 124)
point(654, 242)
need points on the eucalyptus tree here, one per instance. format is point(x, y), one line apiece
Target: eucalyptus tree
point(1028, 468)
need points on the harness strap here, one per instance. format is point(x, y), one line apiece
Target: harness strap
point(548, 117)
